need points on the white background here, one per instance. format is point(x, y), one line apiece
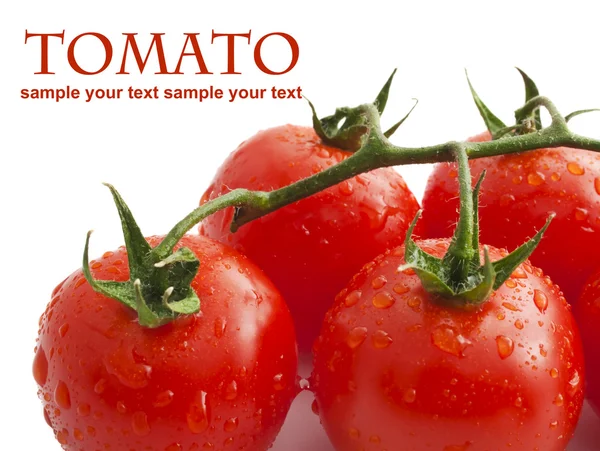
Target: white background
point(161, 154)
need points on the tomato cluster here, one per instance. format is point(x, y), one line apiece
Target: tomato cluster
point(397, 366)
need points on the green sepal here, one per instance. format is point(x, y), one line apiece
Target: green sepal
point(568, 117)
point(137, 246)
point(394, 127)
point(531, 91)
point(485, 285)
point(382, 98)
point(159, 291)
point(505, 266)
point(146, 317)
point(493, 124)
point(122, 291)
point(476, 212)
point(428, 268)
point(350, 136)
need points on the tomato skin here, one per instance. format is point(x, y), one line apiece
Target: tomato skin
point(312, 248)
point(587, 313)
point(414, 375)
point(226, 374)
point(517, 195)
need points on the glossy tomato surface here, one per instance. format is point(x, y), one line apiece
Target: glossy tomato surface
point(587, 313)
point(222, 377)
point(312, 248)
point(396, 370)
point(517, 196)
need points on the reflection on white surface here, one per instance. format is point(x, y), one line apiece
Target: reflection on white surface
point(302, 430)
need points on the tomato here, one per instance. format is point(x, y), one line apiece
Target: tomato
point(520, 191)
point(224, 376)
point(310, 249)
point(587, 313)
point(395, 369)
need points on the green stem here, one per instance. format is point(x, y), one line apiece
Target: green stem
point(461, 252)
point(377, 152)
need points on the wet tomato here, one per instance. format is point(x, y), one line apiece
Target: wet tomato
point(587, 313)
point(520, 191)
point(312, 248)
point(224, 376)
point(396, 369)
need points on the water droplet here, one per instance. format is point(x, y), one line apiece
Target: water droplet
point(410, 396)
point(519, 273)
point(519, 402)
point(278, 383)
point(555, 176)
point(535, 178)
point(198, 416)
point(84, 410)
point(448, 339)
point(78, 435)
point(559, 400)
point(554, 373)
point(401, 289)
point(574, 383)
point(506, 199)
point(597, 184)
point(231, 424)
point(383, 300)
point(511, 307)
point(505, 346)
point(346, 188)
point(174, 447)
point(352, 298)
point(414, 303)
point(62, 396)
point(381, 339)
point(231, 391)
point(510, 283)
point(163, 399)
point(356, 337)
point(553, 424)
point(540, 300)
point(220, 325)
point(581, 214)
point(575, 168)
point(40, 367)
point(354, 433)
point(121, 407)
point(378, 282)
point(129, 373)
point(62, 436)
point(519, 324)
point(139, 424)
point(62, 331)
point(375, 439)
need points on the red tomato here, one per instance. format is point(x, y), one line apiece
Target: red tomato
point(312, 248)
point(587, 313)
point(224, 376)
point(395, 369)
point(518, 193)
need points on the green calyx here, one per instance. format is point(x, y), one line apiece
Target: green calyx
point(158, 288)
point(459, 277)
point(349, 128)
point(526, 120)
